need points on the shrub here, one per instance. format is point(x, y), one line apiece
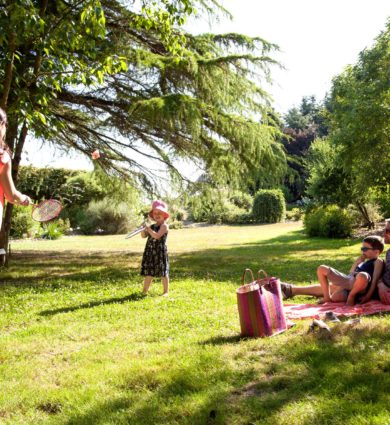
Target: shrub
point(294, 214)
point(357, 218)
point(242, 218)
point(107, 217)
point(269, 206)
point(22, 223)
point(242, 200)
point(52, 230)
point(329, 221)
point(216, 206)
point(175, 224)
point(207, 206)
point(176, 212)
point(383, 200)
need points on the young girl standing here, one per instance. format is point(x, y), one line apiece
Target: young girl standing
point(155, 262)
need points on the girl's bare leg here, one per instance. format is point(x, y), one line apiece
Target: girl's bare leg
point(165, 282)
point(147, 282)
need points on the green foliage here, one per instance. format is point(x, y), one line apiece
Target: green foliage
point(302, 126)
point(382, 197)
point(175, 224)
point(242, 200)
point(33, 37)
point(329, 181)
point(74, 188)
point(217, 206)
point(329, 221)
point(81, 188)
point(150, 88)
point(296, 119)
point(108, 217)
point(372, 211)
point(22, 224)
point(54, 229)
point(360, 116)
point(44, 183)
point(269, 206)
point(295, 214)
point(310, 116)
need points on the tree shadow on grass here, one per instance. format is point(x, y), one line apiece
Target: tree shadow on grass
point(278, 256)
point(336, 381)
point(137, 296)
point(60, 269)
point(149, 398)
point(331, 380)
point(223, 340)
point(292, 257)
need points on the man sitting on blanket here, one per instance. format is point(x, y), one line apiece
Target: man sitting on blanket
point(359, 285)
point(384, 283)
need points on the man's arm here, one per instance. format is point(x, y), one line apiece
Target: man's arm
point(378, 270)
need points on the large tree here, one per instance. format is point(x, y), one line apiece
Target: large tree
point(360, 119)
point(86, 74)
point(303, 125)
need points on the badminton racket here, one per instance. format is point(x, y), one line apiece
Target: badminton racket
point(135, 232)
point(46, 210)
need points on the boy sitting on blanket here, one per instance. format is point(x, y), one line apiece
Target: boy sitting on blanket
point(359, 285)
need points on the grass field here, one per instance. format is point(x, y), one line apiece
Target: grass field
point(79, 344)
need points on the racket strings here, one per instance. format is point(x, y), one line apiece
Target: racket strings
point(47, 210)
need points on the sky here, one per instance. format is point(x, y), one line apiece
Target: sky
point(317, 39)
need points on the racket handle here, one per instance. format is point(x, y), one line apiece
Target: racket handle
point(27, 201)
point(135, 232)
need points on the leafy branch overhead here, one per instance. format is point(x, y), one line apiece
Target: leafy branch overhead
point(128, 81)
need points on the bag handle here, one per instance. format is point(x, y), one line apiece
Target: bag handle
point(264, 273)
point(243, 276)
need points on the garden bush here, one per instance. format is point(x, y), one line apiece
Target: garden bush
point(22, 223)
point(215, 207)
point(109, 218)
point(294, 214)
point(329, 221)
point(242, 200)
point(53, 230)
point(357, 218)
point(383, 201)
point(269, 206)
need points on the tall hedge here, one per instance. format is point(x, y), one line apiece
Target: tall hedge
point(269, 206)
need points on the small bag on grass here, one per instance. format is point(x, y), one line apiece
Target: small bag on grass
point(260, 306)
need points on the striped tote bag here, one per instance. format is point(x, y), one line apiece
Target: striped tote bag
point(260, 307)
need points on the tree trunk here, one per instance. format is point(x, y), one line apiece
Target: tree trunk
point(6, 226)
point(363, 210)
point(7, 82)
point(13, 143)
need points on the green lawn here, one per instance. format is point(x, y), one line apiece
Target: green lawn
point(80, 345)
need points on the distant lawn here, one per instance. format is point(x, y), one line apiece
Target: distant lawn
point(79, 344)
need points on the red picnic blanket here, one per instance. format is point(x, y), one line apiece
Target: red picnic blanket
point(306, 311)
